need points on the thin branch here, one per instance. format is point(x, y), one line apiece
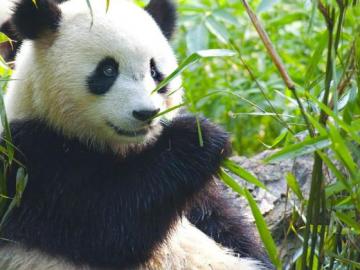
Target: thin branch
point(278, 62)
point(325, 12)
point(269, 46)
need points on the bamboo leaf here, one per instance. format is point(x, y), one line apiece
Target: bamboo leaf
point(306, 147)
point(107, 5)
point(192, 59)
point(349, 221)
point(228, 180)
point(341, 150)
point(264, 232)
point(236, 169)
point(223, 15)
point(217, 29)
point(294, 185)
point(21, 181)
point(197, 38)
point(266, 5)
point(352, 132)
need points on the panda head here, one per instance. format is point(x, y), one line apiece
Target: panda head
point(92, 76)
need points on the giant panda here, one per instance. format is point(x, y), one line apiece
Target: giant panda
point(110, 185)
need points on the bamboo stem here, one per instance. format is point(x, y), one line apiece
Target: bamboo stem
point(269, 46)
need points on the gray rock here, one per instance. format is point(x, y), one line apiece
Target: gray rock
point(277, 204)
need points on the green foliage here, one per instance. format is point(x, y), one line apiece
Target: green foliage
point(7, 149)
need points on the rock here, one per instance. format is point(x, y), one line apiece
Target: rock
point(275, 205)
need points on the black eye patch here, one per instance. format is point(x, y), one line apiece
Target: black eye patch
point(157, 76)
point(104, 76)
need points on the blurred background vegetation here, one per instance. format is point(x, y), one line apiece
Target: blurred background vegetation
point(299, 34)
point(319, 43)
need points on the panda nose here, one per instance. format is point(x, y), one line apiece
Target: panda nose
point(145, 115)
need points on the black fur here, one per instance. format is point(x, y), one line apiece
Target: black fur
point(214, 213)
point(98, 209)
point(7, 50)
point(98, 83)
point(32, 21)
point(158, 76)
point(164, 13)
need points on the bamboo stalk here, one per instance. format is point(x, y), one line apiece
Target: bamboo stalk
point(269, 46)
point(277, 61)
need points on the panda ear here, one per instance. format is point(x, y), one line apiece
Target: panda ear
point(164, 13)
point(32, 20)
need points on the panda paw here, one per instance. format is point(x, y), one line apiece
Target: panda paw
point(198, 140)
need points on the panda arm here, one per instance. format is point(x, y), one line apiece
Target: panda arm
point(216, 214)
point(115, 204)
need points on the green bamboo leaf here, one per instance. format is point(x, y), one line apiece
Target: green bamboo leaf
point(3, 64)
point(190, 60)
point(107, 5)
point(6, 131)
point(334, 188)
point(349, 221)
point(170, 110)
point(199, 131)
point(341, 150)
point(315, 58)
point(217, 29)
point(306, 147)
point(279, 138)
point(339, 176)
point(294, 185)
point(197, 38)
point(225, 16)
point(4, 38)
point(321, 129)
point(343, 260)
point(241, 172)
point(228, 180)
point(264, 232)
point(266, 5)
point(351, 130)
point(11, 206)
point(21, 181)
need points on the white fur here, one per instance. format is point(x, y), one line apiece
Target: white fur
point(5, 10)
point(186, 249)
point(50, 77)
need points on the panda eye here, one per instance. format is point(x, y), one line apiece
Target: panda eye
point(109, 71)
point(155, 74)
point(104, 76)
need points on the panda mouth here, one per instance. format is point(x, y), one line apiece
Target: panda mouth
point(128, 133)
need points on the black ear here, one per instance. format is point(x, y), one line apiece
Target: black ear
point(8, 50)
point(31, 21)
point(164, 13)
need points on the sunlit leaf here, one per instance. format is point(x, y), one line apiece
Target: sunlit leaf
point(264, 232)
point(306, 147)
point(294, 185)
point(241, 172)
point(197, 38)
point(217, 29)
point(190, 60)
point(266, 5)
